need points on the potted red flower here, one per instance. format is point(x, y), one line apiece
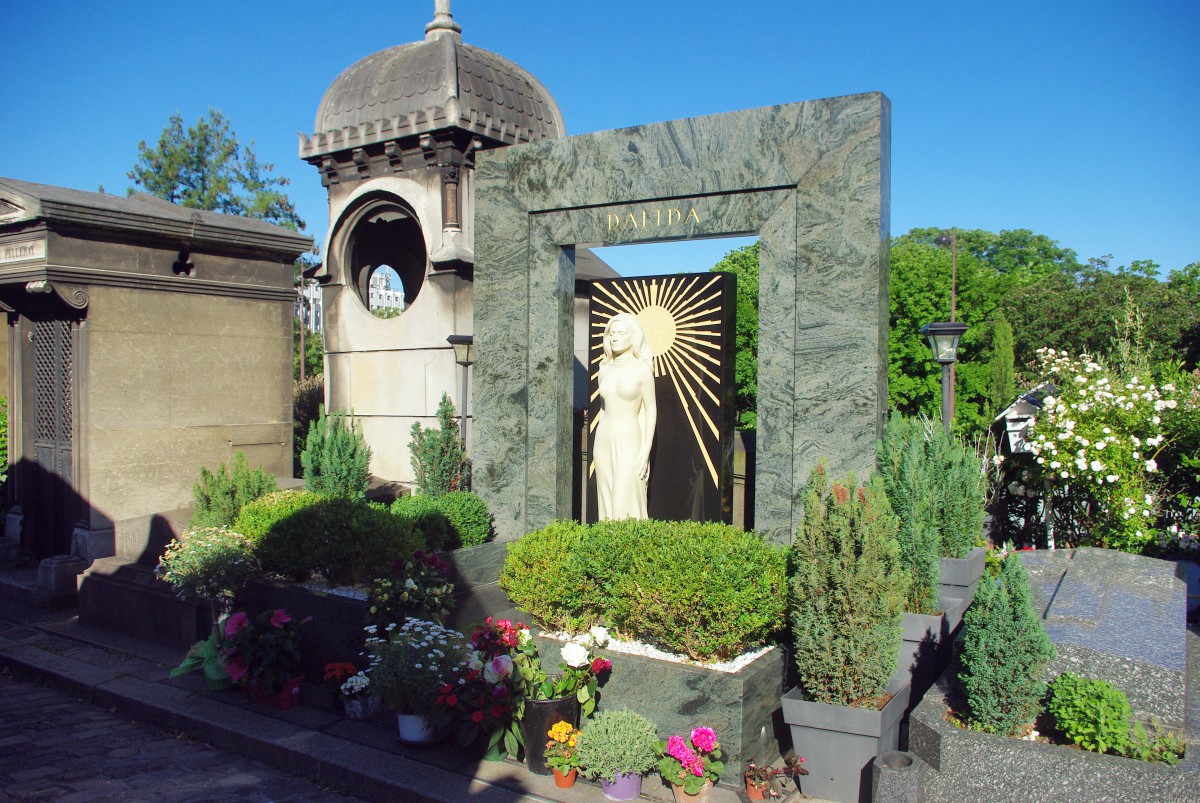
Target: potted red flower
point(263, 656)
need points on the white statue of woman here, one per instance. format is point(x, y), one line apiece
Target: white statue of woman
point(625, 431)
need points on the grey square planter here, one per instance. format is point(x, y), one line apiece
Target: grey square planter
point(840, 743)
point(923, 652)
point(960, 576)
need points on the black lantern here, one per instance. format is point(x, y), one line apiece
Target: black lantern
point(943, 341)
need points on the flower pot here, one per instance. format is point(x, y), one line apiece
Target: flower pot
point(540, 716)
point(623, 787)
point(565, 781)
point(840, 743)
point(755, 792)
point(361, 707)
point(416, 730)
point(283, 699)
point(700, 797)
point(924, 652)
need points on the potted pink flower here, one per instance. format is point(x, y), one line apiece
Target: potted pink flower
point(262, 654)
point(691, 765)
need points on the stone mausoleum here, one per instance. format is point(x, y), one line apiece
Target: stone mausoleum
point(145, 340)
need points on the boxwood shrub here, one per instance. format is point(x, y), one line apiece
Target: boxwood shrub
point(343, 540)
point(470, 520)
point(709, 591)
point(427, 517)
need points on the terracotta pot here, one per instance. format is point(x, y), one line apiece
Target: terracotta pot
point(284, 699)
point(564, 781)
point(700, 797)
point(539, 717)
point(755, 792)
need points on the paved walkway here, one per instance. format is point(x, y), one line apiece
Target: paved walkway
point(55, 747)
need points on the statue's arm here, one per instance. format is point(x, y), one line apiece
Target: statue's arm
point(649, 422)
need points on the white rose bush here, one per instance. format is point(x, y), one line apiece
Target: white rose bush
point(1095, 447)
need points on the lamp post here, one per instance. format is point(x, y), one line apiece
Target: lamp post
point(463, 345)
point(943, 340)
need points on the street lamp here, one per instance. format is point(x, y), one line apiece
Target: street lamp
point(463, 346)
point(943, 341)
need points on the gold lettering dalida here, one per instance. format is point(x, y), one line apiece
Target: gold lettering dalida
point(651, 218)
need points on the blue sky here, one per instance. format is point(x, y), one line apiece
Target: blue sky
point(1078, 120)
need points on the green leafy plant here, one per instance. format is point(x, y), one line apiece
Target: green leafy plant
point(617, 742)
point(774, 780)
point(258, 517)
point(846, 592)
point(342, 540)
point(426, 516)
point(208, 564)
point(1092, 713)
point(1005, 650)
point(419, 587)
point(307, 396)
point(690, 763)
point(263, 653)
point(438, 461)
point(1095, 715)
point(910, 480)
point(336, 458)
point(410, 663)
point(220, 496)
point(207, 655)
point(469, 517)
point(708, 591)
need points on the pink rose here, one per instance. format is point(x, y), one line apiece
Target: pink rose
point(280, 618)
point(235, 623)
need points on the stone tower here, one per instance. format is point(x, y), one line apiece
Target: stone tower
point(395, 143)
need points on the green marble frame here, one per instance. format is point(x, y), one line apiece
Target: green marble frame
point(810, 179)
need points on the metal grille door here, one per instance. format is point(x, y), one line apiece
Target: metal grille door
point(53, 368)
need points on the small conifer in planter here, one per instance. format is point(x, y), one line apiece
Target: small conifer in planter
point(847, 592)
point(1005, 650)
point(912, 480)
point(336, 458)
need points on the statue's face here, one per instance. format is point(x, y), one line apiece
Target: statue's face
point(618, 337)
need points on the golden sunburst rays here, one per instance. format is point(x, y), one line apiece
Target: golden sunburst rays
point(681, 316)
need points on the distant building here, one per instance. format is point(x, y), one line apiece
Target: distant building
point(309, 309)
point(381, 292)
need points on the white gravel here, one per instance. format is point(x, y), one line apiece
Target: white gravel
point(647, 651)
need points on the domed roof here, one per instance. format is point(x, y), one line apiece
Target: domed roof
point(427, 86)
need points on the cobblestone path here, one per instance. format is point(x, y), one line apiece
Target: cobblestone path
point(53, 747)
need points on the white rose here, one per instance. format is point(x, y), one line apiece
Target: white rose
point(600, 634)
point(575, 655)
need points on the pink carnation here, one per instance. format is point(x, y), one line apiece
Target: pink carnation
point(704, 739)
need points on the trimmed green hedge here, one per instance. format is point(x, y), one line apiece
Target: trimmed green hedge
point(426, 516)
point(345, 541)
point(709, 591)
point(452, 520)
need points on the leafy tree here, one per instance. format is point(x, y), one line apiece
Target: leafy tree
point(386, 312)
point(743, 263)
point(314, 352)
point(206, 167)
point(1002, 378)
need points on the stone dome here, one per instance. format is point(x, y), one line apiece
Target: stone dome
point(433, 85)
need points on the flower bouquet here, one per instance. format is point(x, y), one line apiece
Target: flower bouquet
point(208, 656)
point(480, 692)
point(580, 674)
point(690, 763)
point(418, 587)
point(353, 687)
point(411, 662)
point(263, 653)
